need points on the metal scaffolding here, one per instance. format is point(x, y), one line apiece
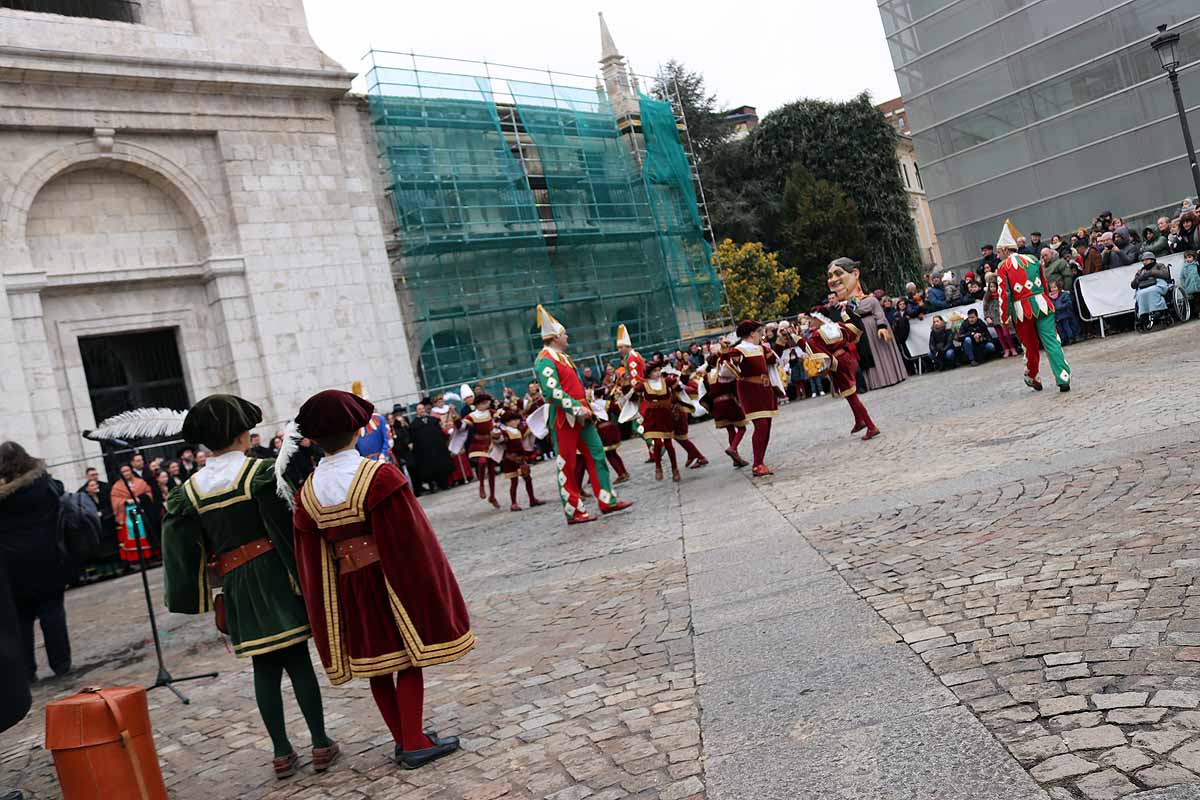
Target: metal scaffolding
point(513, 187)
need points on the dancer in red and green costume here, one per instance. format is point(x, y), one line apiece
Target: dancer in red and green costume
point(635, 372)
point(1024, 302)
point(572, 424)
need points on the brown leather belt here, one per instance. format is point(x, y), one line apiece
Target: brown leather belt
point(762, 380)
point(230, 560)
point(356, 553)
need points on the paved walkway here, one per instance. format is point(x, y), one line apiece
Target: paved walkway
point(993, 600)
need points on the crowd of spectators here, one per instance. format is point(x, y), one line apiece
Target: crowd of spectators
point(960, 337)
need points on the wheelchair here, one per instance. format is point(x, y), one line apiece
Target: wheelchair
point(1179, 309)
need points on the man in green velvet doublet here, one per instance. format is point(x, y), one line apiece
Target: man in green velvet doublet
point(264, 610)
point(230, 515)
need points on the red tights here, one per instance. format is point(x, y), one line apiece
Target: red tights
point(512, 489)
point(484, 466)
point(693, 452)
point(614, 461)
point(402, 705)
point(735, 433)
point(861, 417)
point(669, 446)
point(760, 438)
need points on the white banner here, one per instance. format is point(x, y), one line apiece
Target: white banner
point(918, 329)
point(1109, 292)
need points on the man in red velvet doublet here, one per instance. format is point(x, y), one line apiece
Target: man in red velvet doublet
point(381, 597)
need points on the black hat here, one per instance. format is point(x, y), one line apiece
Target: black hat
point(219, 419)
point(397, 408)
point(987, 247)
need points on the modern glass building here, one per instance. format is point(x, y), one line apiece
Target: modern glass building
point(1045, 111)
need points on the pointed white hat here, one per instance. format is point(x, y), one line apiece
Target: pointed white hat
point(1008, 236)
point(465, 393)
point(550, 326)
point(623, 339)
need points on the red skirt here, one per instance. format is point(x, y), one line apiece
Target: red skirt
point(845, 378)
point(370, 633)
point(513, 465)
point(726, 409)
point(610, 434)
point(757, 397)
point(680, 429)
point(658, 420)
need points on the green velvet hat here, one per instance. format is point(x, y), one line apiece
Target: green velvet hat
point(219, 419)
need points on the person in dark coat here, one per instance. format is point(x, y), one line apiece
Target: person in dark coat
point(431, 465)
point(401, 440)
point(29, 504)
point(15, 699)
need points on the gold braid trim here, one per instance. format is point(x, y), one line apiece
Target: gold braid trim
point(423, 655)
point(338, 669)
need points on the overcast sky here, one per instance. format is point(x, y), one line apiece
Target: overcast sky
point(752, 52)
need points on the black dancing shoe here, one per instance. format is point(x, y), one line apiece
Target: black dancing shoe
point(1064, 387)
point(415, 759)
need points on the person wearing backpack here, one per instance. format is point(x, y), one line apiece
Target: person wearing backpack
point(79, 534)
point(30, 502)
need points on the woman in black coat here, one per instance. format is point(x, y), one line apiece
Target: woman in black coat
point(29, 505)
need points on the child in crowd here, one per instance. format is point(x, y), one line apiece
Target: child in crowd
point(1189, 276)
point(954, 293)
point(991, 315)
point(1064, 314)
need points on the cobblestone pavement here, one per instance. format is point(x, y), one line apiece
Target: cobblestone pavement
point(1062, 607)
point(1035, 551)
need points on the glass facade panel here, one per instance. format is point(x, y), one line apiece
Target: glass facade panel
point(1020, 30)
point(899, 14)
point(1026, 135)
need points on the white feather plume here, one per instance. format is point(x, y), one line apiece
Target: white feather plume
point(141, 423)
point(291, 443)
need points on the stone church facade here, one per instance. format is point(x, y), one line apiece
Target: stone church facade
point(196, 177)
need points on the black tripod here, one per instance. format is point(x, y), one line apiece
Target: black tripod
point(138, 533)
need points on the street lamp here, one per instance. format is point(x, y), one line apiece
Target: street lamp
point(1164, 45)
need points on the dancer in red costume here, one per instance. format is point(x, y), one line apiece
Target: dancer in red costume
point(834, 336)
point(480, 423)
point(656, 394)
point(685, 391)
point(751, 360)
point(722, 401)
point(382, 600)
point(512, 435)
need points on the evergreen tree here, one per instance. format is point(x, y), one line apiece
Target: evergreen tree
point(705, 120)
point(853, 147)
point(818, 224)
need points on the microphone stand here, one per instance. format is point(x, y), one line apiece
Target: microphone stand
point(165, 679)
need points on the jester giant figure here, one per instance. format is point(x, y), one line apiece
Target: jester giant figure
point(572, 425)
point(1024, 302)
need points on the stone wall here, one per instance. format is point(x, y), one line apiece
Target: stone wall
point(203, 172)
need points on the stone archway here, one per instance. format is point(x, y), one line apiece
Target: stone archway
point(213, 233)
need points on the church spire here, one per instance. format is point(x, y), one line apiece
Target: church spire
point(608, 48)
point(622, 93)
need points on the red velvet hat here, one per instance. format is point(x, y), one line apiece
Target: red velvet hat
point(747, 327)
point(331, 412)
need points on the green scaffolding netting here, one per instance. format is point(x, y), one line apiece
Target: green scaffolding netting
point(502, 205)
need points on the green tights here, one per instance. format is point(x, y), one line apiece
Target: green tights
point(268, 692)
